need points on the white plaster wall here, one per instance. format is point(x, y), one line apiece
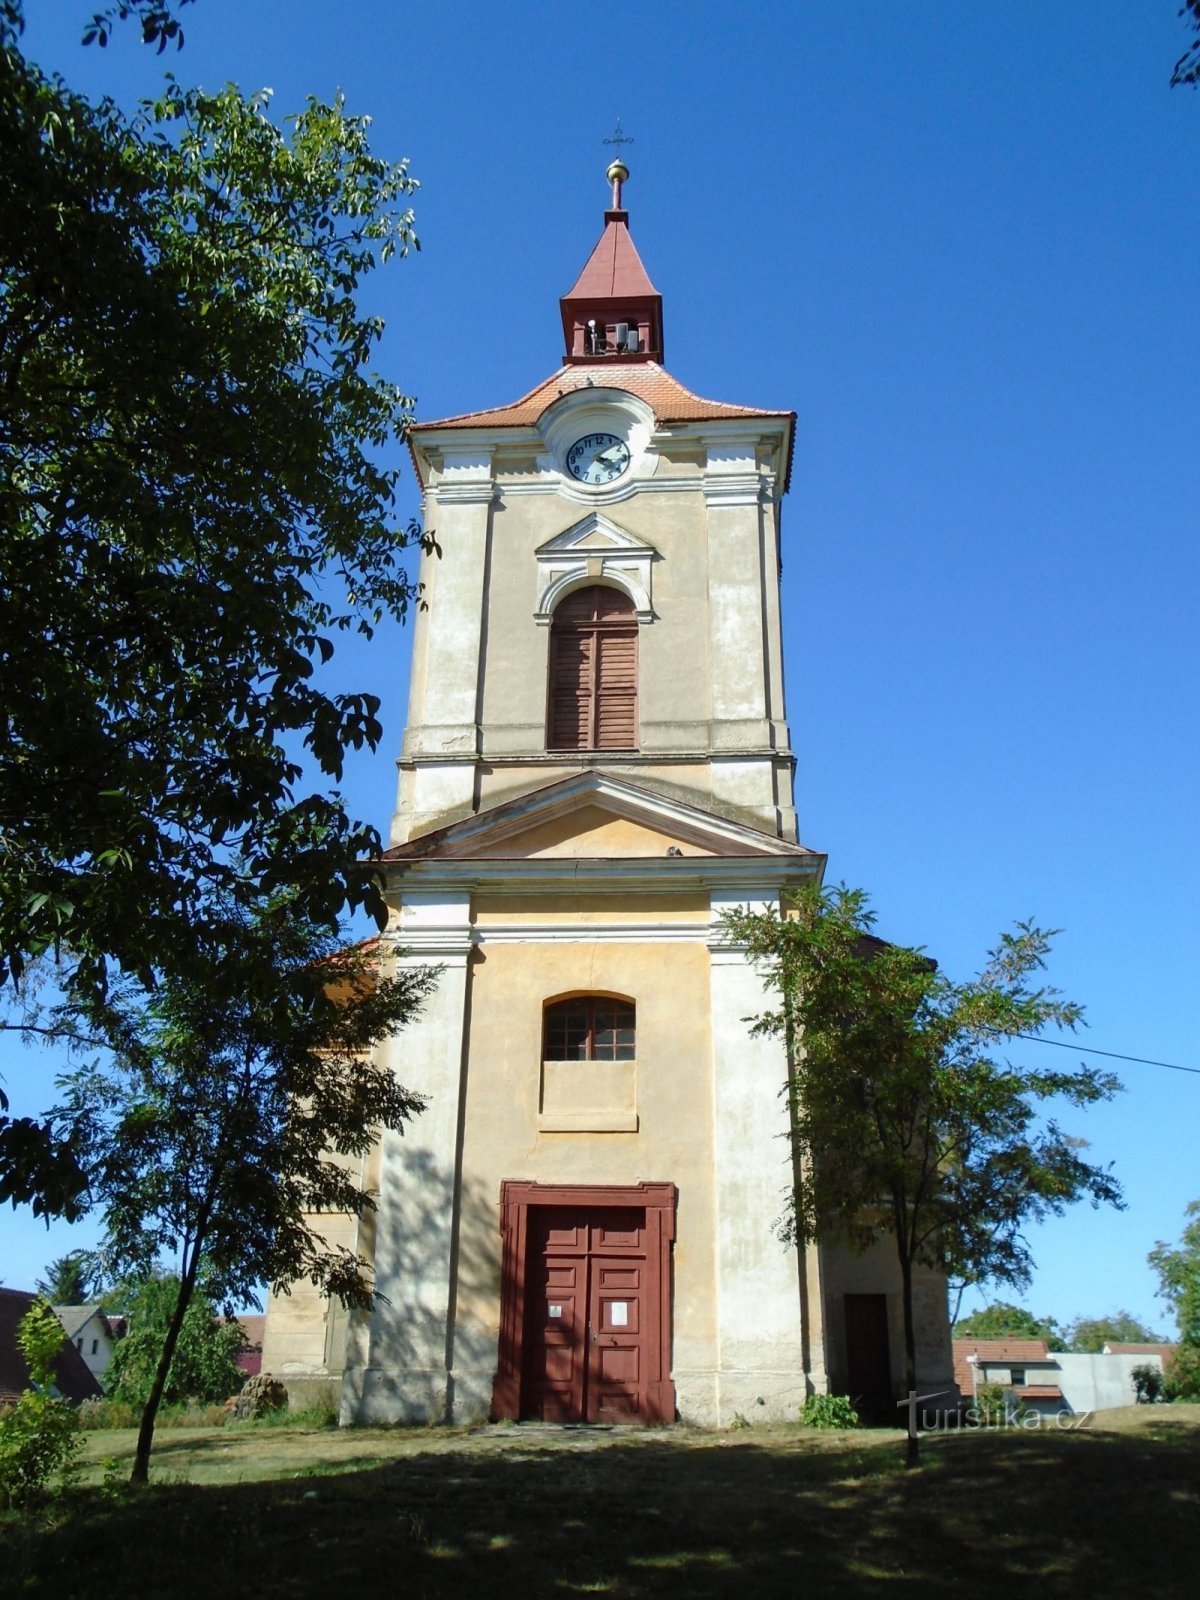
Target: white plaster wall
point(398, 1356)
point(760, 1348)
point(1095, 1382)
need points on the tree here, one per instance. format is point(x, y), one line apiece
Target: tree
point(1183, 1373)
point(233, 1109)
point(72, 1280)
point(1178, 1269)
point(1187, 68)
point(1005, 1321)
point(204, 1363)
point(192, 508)
point(39, 1437)
point(1089, 1335)
point(905, 1121)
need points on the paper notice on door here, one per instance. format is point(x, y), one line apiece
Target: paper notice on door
point(555, 1311)
point(618, 1311)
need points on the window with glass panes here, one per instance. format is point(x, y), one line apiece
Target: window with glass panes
point(589, 1028)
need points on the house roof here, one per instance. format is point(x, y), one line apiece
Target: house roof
point(1039, 1391)
point(995, 1352)
point(253, 1326)
point(71, 1377)
point(75, 1318)
point(1163, 1350)
point(669, 400)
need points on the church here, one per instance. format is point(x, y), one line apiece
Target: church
point(597, 763)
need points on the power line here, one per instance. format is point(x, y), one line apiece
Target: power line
point(1113, 1055)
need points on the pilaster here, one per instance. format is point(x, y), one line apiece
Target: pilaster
point(760, 1344)
point(400, 1364)
point(444, 710)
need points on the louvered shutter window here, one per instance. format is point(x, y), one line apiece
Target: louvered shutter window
point(593, 672)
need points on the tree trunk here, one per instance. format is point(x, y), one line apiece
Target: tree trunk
point(912, 1456)
point(141, 1459)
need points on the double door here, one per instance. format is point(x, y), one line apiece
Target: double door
point(588, 1316)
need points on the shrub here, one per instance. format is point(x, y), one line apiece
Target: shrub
point(828, 1411)
point(989, 1407)
point(1149, 1385)
point(39, 1437)
point(108, 1413)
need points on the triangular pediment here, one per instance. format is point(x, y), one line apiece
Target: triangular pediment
point(597, 817)
point(594, 533)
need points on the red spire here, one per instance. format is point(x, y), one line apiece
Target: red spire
point(613, 311)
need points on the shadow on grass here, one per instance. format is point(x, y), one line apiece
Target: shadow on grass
point(1108, 1514)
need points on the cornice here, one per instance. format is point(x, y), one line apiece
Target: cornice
point(754, 877)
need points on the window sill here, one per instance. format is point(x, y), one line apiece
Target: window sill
point(587, 1122)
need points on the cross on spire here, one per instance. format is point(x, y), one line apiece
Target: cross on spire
point(617, 170)
point(619, 138)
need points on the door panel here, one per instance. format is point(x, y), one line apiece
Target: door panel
point(557, 1350)
point(615, 1389)
point(586, 1321)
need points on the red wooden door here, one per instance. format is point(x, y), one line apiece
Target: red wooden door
point(586, 1322)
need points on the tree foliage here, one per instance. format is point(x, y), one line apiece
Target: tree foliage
point(193, 509)
point(906, 1119)
point(204, 1364)
point(39, 1437)
point(234, 1107)
point(1187, 68)
point(1089, 1335)
point(72, 1280)
point(1183, 1373)
point(1002, 1320)
point(1178, 1270)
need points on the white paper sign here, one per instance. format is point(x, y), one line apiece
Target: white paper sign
point(556, 1311)
point(618, 1310)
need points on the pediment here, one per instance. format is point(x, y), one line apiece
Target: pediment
point(593, 533)
point(596, 817)
point(595, 548)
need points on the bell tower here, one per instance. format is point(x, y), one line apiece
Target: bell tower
point(613, 311)
point(609, 477)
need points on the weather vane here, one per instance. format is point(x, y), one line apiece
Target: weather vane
point(617, 171)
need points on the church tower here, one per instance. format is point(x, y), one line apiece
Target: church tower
point(596, 765)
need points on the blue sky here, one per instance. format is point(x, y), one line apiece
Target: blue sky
point(961, 241)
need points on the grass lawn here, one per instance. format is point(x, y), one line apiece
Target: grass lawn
point(1110, 1510)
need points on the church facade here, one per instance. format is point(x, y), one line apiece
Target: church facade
point(597, 764)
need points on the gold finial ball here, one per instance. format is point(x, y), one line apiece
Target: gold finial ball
point(617, 172)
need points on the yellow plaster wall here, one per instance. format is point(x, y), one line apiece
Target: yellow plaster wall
point(489, 909)
point(588, 831)
point(670, 985)
point(296, 1335)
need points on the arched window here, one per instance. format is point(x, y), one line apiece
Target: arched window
point(590, 1027)
point(593, 672)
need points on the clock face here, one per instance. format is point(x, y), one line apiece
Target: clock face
point(597, 458)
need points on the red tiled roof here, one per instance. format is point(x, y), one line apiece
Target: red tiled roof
point(1166, 1351)
point(996, 1352)
point(1040, 1391)
point(614, 268)
point(1005, 1352)
point(666, 396)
